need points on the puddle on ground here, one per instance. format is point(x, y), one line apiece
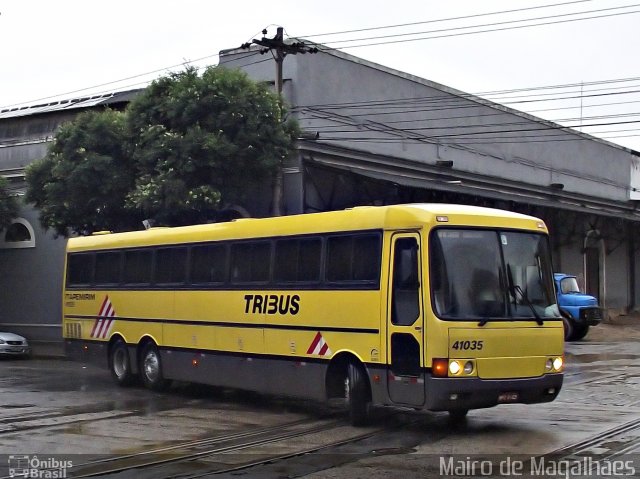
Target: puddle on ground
point(592, 358)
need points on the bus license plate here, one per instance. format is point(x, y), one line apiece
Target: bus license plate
point(508, 397)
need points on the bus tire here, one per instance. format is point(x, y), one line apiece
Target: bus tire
point(569, 327)
point(151, 368)
point(458, 416)
point(357, 395)
point(120, 364)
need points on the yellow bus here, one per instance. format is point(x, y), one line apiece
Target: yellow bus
point(428, 306)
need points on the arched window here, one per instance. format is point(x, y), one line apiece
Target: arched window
point(19, 234)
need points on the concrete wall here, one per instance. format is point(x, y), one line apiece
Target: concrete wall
point(358, 104)
point(31, 285)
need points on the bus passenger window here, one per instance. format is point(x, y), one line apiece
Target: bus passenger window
point(250, 262)
point(309, 260)
point(209, 264)
point(405, 300)
point(353, 258)
point(137, 266)
point(79, 269)
point(366, 260)
point(297, 260)
point(339, 256)
point(108, 267)
point(171, 265)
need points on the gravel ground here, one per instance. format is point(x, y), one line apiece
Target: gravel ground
point(619, 328)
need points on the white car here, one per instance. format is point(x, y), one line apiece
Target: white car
point(13, 345)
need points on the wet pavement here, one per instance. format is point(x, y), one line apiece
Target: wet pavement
point(65, 410)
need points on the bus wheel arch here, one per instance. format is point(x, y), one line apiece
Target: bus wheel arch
point(150, 365)
point(347, 378)
point(120, 363)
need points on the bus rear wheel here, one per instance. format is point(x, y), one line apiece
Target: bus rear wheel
point(151, 369)
point(357, 395)
point(120, 364)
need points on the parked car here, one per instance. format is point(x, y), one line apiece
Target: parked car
point(578, 310)
point(13, 345)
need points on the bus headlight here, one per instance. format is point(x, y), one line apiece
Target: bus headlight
point(558, 363)
point(454, 367)
point(468, 367)
point(554, 365)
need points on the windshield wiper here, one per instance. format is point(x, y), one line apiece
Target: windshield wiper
point(483, 321)
point(517, 289)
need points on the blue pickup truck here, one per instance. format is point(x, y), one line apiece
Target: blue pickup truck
point(578, 310)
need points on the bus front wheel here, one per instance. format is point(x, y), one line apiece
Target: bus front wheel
point(151, 369)
point(120, 364)
point(458, 416)
point(357, 395)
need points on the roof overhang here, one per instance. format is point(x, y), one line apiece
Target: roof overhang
point(416, 175)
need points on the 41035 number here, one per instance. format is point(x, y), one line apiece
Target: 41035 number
point(467, 345)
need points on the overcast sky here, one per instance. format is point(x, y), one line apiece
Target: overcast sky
point(69, 48)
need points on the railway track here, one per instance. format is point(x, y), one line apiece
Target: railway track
point(208, 455)
point(305, 441)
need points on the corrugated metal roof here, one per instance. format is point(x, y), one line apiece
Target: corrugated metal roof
point(69, 104)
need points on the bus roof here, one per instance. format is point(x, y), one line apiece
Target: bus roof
point(408, 216)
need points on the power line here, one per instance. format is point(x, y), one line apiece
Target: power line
point(516, 27)
point(547, 17)
point(373, 28)
point(424, 22)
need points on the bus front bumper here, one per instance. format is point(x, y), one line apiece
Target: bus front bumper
point(450, 394)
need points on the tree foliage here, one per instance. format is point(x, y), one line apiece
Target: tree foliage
point(8, 205)
point(200, 140)
point(82, 182)
point(184, 146)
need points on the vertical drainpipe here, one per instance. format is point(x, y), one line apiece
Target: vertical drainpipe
point(631, 251)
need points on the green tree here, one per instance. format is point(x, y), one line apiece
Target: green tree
point(8, 204)
point(82, 182)
point(186, 145)
point(204, 140)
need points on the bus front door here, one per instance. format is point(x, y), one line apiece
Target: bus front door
point(405, 323)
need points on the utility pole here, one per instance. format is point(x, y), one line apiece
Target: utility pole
point(279, 49)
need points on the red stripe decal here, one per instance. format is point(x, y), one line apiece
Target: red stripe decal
point(107, 327)
point(104, 304)
point(324, 349)
point(314, 343)
point(95, 325)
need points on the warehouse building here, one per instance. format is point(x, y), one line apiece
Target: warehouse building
point(376, 136)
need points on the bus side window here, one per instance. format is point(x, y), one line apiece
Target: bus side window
point(297, 260)
point(250, 262)
point(171, 266)
point(208, 264)
point(405, 299)
point(108, 267)
point(79, 269)
point(353, 258)
point(137, 266)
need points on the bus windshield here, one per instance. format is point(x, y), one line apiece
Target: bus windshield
point(487, 274)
